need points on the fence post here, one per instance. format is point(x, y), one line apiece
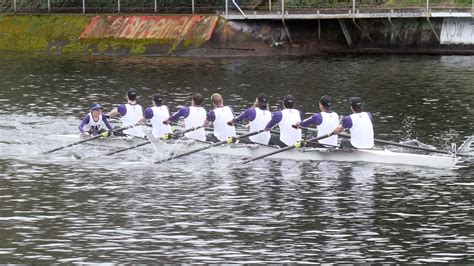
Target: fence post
point(118, 6)
point(83, 6)
point(192, 6)
point(226, 9)
point(14, 6)
point(156, 7)
point(49, 6)
point(282, 8)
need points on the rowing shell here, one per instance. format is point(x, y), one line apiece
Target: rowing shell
point(383, 156)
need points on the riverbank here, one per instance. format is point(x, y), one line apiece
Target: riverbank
point(213, 36)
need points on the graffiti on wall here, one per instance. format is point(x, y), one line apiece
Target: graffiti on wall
point(151, 27)
point(457, 31)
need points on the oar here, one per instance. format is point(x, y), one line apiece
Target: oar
point(286, 148)
point(380, 141)
point(104, 134)
point(147, 142)
point(209, 146)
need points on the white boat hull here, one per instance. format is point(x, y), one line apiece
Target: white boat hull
point(312, 154)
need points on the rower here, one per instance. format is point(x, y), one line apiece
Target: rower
point(157, 114)
point(194, 116)
point(326, 121)
point(359, 124)
point(258, 116)
point(285, 119)
point(219, 117)
point(95, 121)
point(130, 114)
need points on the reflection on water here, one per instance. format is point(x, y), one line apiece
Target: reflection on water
point(205, 208)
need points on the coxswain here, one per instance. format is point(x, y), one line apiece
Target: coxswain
point(219, 117)
point(360, 126)
point(95, 122)
point(194, 116)
point(326, 121)
point(157, 113)
point(285, 119)
point(258, 116)
point(130, 114)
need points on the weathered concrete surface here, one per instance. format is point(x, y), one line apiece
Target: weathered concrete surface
point(212, 36)
point(151, 27)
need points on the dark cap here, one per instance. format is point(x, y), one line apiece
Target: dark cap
point(132, 94)
point(326, 101)
point(157, 98)
point(96, 106)
point(356, 102)
point(289, 101)
point(262, 98)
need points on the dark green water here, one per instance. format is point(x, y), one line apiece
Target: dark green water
point(202, 209)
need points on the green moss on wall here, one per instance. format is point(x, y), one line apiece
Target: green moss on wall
point(61, 34)
point(33, 33)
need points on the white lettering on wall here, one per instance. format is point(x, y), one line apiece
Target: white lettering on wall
point(457, 31)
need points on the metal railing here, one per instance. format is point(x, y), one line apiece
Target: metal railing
point(242, 7)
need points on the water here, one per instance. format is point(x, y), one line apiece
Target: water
point(204, 209)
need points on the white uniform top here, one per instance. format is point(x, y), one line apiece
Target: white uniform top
point(262, 117)
point(362, 131)
point(288, 134)
point(99, 124)
point(160, 114)
point(330, 122)
point(132, 116)
point(221, 130)
point(196, 118)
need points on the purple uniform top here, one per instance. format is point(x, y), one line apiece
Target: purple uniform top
point(86, 121)
point(148, 113)
point(122, 109)
point(316, 119)
point(248, 114)
point(182, 112)
point(347, 121)
point(276, 118)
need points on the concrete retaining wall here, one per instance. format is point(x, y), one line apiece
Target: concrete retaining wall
point(212, 36)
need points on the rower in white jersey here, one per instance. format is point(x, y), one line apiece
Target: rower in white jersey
point(157, 114)
point(326, 121)
point(95, 122)
point(130, 114)
point(258, 117)
point(194, 116)
point(219, 117)
point(359, 124)
point(285, 119)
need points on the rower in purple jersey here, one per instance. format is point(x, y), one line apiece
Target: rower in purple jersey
point(359, 124)
point(95, 122)
point(194, 116)
point(258, 117)
point(285, 119)
point(326, 121)
point(157, 114)
point(219, 117)
point(130, 114)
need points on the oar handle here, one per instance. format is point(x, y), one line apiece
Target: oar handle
point(207, 147)
point(91, 138)
point(147, 142)
point(286, 148)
